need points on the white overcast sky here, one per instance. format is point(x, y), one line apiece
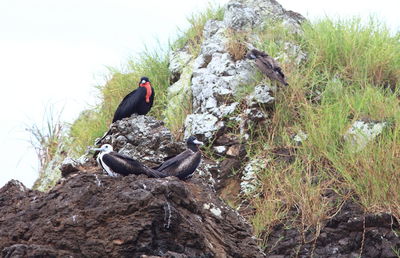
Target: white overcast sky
point(53, 53)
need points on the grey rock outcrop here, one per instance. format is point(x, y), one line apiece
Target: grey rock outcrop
point(147, 140)
point(143, 138)
point(361, 133)
point(216, 76)
point(249, 14)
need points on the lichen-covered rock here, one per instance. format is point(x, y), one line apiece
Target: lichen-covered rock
point(143, 138)
point(216, 76)
point(178, 60)
point(249, 180)
point(292, 52)
point(361, 133)
point(262, 96)
point(300, 137)
point(121, 217)
point(179, 94)
point(249, 14)
point(202, 124)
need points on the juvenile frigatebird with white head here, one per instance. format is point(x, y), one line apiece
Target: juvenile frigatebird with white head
point(138, 102)
point(184, 164)
point(267, 65)
point(117, 164)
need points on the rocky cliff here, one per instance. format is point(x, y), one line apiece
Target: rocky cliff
point(93, 215)
point(88, 214)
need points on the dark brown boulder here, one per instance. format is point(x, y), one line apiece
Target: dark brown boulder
point(93, 215)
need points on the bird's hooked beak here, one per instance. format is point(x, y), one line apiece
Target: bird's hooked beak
point(98, 149)
point(198, 142)
point(143, 83)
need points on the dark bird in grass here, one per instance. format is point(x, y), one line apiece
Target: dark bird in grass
point(267, 65)
point(184, 164)
point(117, 164)
point(138, 102)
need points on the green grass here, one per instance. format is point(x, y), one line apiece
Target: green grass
point(351, 74)
point(50, 141)
point(358, 52)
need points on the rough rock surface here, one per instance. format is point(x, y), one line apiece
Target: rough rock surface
point(147, 140)
point(143, 138)
point(351, 233)
point(362, 132)
point(216, 76)
point(93, 215)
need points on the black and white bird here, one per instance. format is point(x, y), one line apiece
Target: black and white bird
point(184, 164)
point(117, 164)
point(138, 102)
point(267, 65)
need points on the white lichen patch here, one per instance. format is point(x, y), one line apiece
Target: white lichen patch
point(249, 179)
point(220, 149)
point(216, 211)
point(300, 137)
point(361, 133)
point(205, 124)
point(213, 209)
point(98, 182)
point(262, 95)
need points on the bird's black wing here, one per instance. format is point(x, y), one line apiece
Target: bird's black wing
point(129, 104)
point(266, 62)
point(271, 68)
point(125, 165)
point(169, 167)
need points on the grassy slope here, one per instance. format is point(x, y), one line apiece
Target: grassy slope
point(351, 74)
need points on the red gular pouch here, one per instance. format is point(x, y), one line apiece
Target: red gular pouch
point(147, 85)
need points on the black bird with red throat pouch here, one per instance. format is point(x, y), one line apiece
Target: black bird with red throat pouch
point(138, 102)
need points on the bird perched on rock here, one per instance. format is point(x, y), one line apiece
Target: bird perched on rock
point(184, 164)
point(138, 102)
point(268, 66)
point(117, 164)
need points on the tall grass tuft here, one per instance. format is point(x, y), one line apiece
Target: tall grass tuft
point(48, 140)
point(359, 52)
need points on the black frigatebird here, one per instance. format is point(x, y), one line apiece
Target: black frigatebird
point(117, 164)
point(138, 102)
point(184, 164)
point(268, 66)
